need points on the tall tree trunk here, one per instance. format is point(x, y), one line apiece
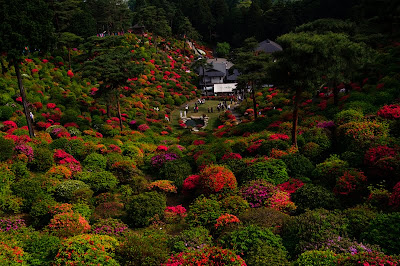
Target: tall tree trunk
point(296, 115)
point(253, 90)
point(23, 96)
point(69, 57)
point(335, 94)
point(119, 112)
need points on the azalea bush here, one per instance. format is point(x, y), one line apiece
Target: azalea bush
point(192, 239)
point(273, 171)
point(204, 212)
point(215, 178)
point(316, 257)
point(68, 224)
point(110, 226)
point(312, 197)
point(87, 249)
point(206, 256)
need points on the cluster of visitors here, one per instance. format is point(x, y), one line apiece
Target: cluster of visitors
point(224, 106)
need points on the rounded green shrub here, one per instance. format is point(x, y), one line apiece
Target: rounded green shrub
point(267, 146)
point(273, 171)
point(7, 148)
point(67, 189)
point(347, 116)
point(101, 181)
point(312, 197)
point(359, 217)
point(316, 258)
point(384, 231)
point(298, 166)
point(42, 249)
point(265, 255)
point(43, 160)
point(176, 171)
point(143, 207)
point(327, 172)
point(245, 238)
point(264, 217)
point(6, 112)
point(148, 249)
point(95, 162)
point(204, 212)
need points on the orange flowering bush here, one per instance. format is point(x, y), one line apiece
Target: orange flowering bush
point(59, 172)
point(217, 178)
point(68, 224)
point(225, 220)
point(163, 186)
point(11, 254)
point(351, 181)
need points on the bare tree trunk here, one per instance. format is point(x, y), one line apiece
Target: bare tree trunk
point(23, 96)
point(119, 112)
point(253, 90)
point(296, 116)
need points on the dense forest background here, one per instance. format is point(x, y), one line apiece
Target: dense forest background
point(229, 21)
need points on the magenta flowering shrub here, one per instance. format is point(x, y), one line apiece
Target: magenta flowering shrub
point(143, 128)
point(26, 150)
point(326, 124)
point(175, 213)
point(159, 160)
point(63, 158)
point(110, 226)
point(11, 224)
point(257, 192)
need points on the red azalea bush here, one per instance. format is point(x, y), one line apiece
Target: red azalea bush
point(279, 136)
point(226, 220)
point(162, 148)
point(143, 128)
point(7, 125)
point(63, 158)
point(394, 200)
point(162, 186)
point(191, 182)
point(351, 181)
point(199, 142)
point(367, 259)
point(291, 186)
point(390, 111)
point(231, 156)
point(206, 256)
point(51, 105)
point(174, 213)
point(216, 178)
point(374, 154)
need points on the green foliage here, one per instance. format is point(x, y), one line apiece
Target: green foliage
point(7, 149)
point(192, 239)
point(203, 212)
point(6, 112)
point(265, 255)
point(383, 231)
point(312, 227)
point(87, 249)
point(273, 171)
point(223, 49)
point(349, 115)
point(40, 213)
point(42, 249)
point(42, 161)
point(143, 207)
point(176, 171)
point(83, 209)
point(234, 205)
point(29, 190)
point(148, 249)
point(95, 162)
point(67, 189)
point(359, 217)
point(298, 166)
point(101, 181)
point(327, 172)
point(264, 217)
point(244, 239)
point(312, 197)
point(316, 258)
point(20, 170)
point(267, 146)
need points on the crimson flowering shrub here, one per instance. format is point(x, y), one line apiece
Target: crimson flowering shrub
point(390, 111)
point(198, 142)
point(291, 186)
point(190, 183)
point(374, 154)
point(352, 181)
point(226, 220)
point(216, 178)
point(206, 256)
point(87, 249)
point(68, 224)
point(278, 136)
point(143, 128)
point(394, 200)
point(63, 158)
point(367, 259)
point(110, 226)
point(231, 156)
point(173, 214)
